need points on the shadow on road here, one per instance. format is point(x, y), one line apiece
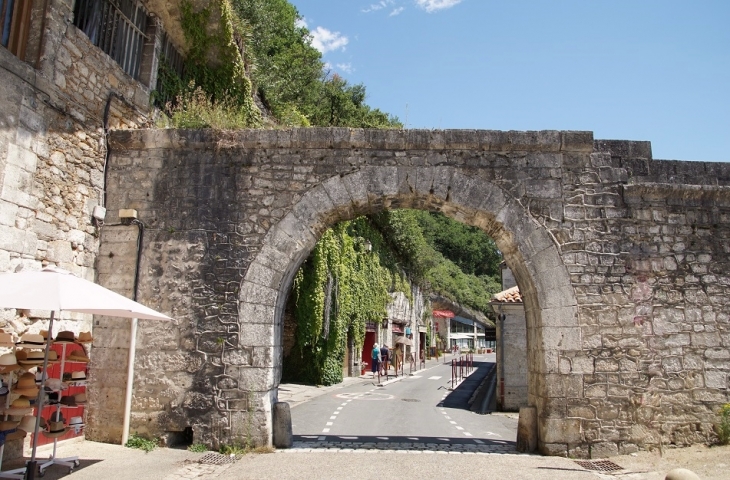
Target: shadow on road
point(462, 395)
point(391, 442)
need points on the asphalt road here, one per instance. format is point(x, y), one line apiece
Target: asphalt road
point(419, 410)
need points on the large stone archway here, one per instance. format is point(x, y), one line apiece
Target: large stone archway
point(553, 330)
point(622, 261)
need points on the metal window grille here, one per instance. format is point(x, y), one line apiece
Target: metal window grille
point(172, 59)
point(115, 26)
point(15, 25)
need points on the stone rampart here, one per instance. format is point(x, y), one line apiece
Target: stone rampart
point(622, 262)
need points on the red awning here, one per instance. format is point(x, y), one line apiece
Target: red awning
point(443, 313)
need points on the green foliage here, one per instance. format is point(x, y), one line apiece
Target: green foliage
point(289, 73)
point(339, 288)
point(232, 42)
point(723, 428)
point(413, 241)
point(468, 247)
point(235, 450)
point(194, 108)
point(135, 441)
point(198, 447)
point(215, 86)
point(339, 104)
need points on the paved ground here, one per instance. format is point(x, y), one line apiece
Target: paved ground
point(103, 461)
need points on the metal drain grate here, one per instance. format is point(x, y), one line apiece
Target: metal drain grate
point(410, 399)
point(217, 459)
point(600, 465)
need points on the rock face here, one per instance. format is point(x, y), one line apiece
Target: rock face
point(622, 263)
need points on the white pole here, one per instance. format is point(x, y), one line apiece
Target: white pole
point(130, 380)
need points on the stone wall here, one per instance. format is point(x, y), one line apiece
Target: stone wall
point(511, 358)
point(54, 110)
point(621, 261)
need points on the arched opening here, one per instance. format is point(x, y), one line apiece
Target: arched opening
point(529, 251)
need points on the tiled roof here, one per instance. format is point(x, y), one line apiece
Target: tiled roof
point(511, 295)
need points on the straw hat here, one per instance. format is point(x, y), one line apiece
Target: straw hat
point(76, 424)
point(31, 340)
point(54, 385)
point(8, 363)
point(6, 340)
point(32, 358)
point(85, 337)
point(54, 398)
point(20, 406)
point(78, 376)
point(52, 356)
point(6, 425)
point(27, 423)
point(75, 421)
point(78, 356)
point(65, 337)
point(80, 398)
point(26, 385)
point(55, 430)
point(20, 402)
point(16, 435)
point(56, 416)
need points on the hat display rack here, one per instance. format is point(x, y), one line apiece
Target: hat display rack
point(64, 412)
point(17, 420)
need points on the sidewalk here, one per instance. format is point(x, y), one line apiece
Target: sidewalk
point(295, 394)
point(101, 461)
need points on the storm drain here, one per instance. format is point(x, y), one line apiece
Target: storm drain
point(410, 399)
point(217, 459)
point(600, 465)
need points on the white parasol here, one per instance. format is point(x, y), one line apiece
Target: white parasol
point(58, 290)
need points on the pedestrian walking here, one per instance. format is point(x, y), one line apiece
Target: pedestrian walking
point(376, 359)
point(384, 353)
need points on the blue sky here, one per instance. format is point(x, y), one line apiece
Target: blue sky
point(656, 70)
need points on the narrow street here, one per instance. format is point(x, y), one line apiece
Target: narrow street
point(417, 412)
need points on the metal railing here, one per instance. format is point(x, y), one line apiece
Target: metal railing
point(117, 27)
point(461, 368)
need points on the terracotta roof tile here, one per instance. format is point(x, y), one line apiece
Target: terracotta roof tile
point(511, 295)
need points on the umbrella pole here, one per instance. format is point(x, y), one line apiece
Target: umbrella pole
point(32, 466)
point(130, 380)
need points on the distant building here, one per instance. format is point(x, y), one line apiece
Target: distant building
point(511, 345)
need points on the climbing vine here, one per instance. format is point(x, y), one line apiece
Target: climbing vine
point(215, 66)
point(345, 283)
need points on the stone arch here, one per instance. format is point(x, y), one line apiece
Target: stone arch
point(528, 247)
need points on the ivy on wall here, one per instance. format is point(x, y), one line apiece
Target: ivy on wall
point(214, 64)
point(340, 287)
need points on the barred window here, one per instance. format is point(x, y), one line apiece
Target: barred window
point(117, 27)
point(15, 25)
point(172, 64)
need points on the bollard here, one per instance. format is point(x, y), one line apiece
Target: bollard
point(282, 427)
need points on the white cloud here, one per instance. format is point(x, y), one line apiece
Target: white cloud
point(378, 6)
point(345, 67)
point(435, 5)
point(300, 23)
point(396, 11)
point(326, 40)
